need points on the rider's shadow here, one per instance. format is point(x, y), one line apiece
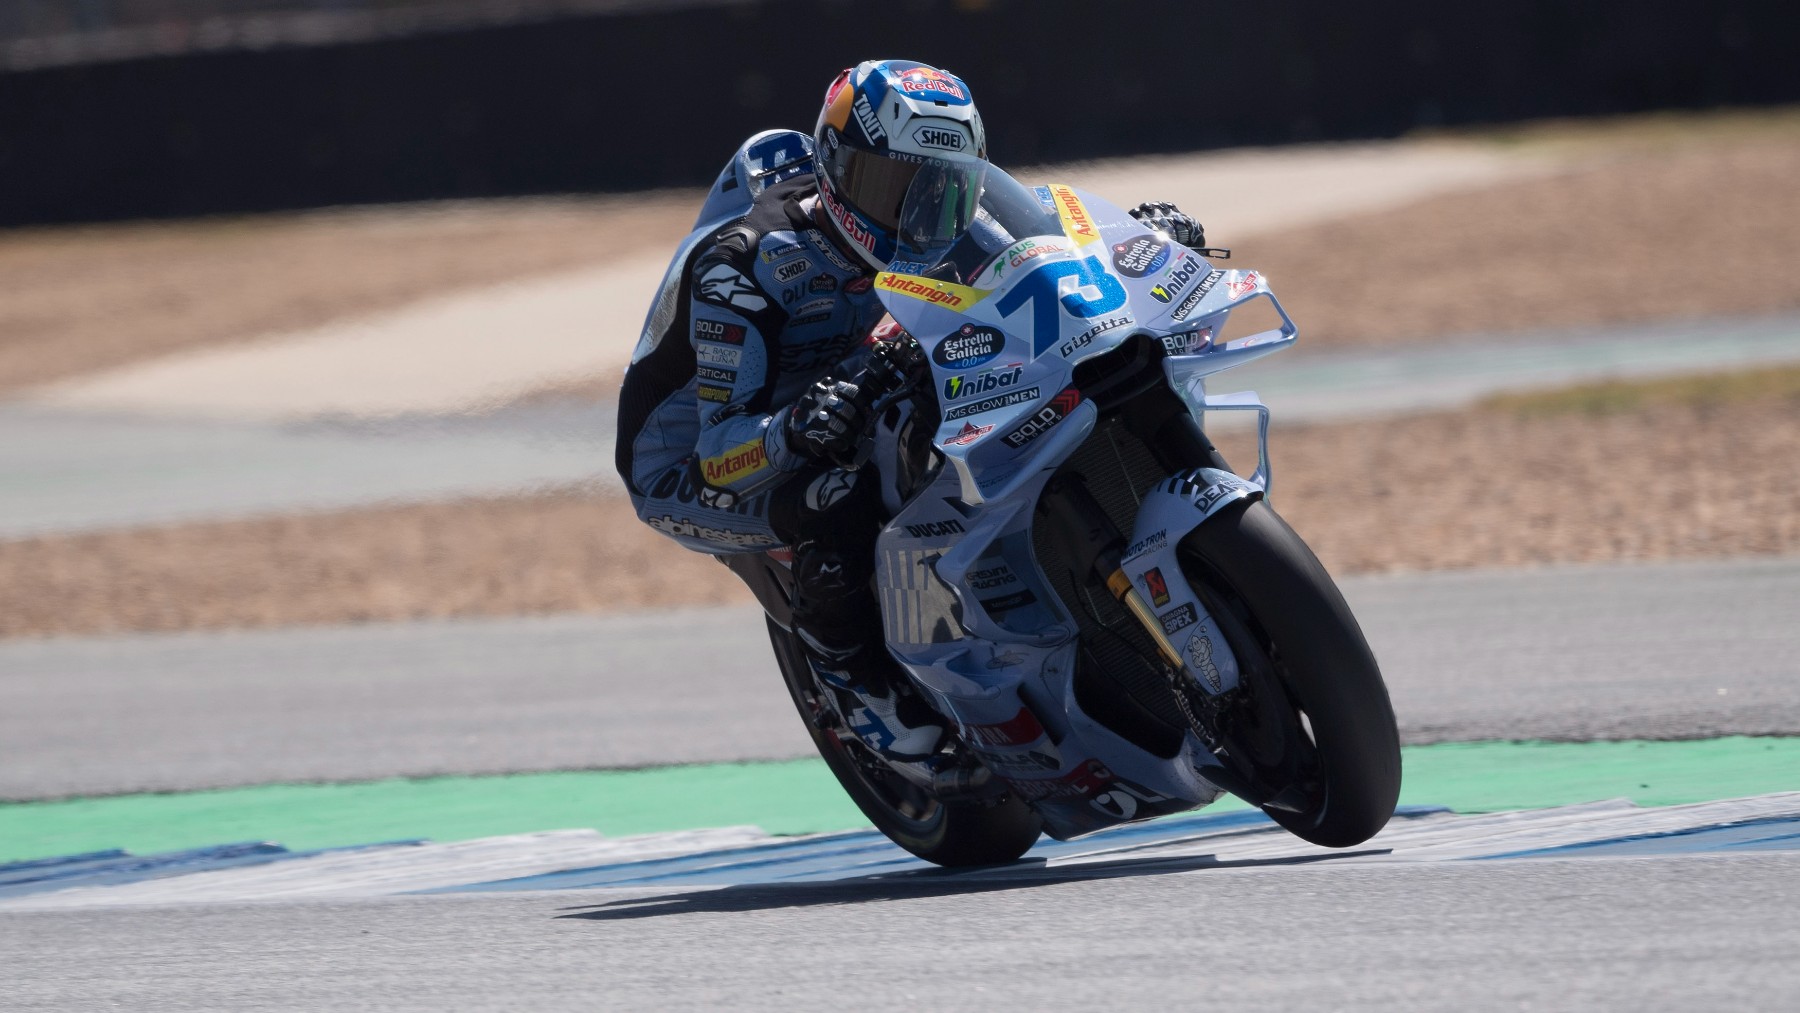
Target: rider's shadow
point(919, 884)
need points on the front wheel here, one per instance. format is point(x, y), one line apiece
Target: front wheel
point(945, 833)
point(1311, 720)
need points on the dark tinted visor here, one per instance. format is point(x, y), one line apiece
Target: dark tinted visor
point(873, 184)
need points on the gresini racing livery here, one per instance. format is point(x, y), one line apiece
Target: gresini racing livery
point(1116, 622)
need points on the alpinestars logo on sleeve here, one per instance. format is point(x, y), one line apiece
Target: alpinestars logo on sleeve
point(722, 284)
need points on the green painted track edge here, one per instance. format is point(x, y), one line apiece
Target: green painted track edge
point(799, 796)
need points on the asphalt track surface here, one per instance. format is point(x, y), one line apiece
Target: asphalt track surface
point(1686, 932)
point(1669, 650)
point(66, 470)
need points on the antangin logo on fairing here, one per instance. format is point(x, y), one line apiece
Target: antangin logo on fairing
point(986, 382)
point(1076, 221)
point(940, 293)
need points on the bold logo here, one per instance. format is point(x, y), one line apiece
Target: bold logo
point(1199, 655)
point(792, 269)
point(823, 283)
point(934, 529)
point(1086, 338)
point(989, 404)
point(1178, 619)
point(713, 330)
point(1181, 276)
point(1187, 342)
point(722, 284)
point(946, 138)
point(968, 346)
point(740, 461)
point(713, 355)
point(1199, 293)
point(865, 117)
point(1076, 221)
point(986, 382)
point(1243, 286)
point(717, 395)
point(969, 433)
point(1158, 587)
point(1046, 418)
point(1138, 257)
point(939, 293)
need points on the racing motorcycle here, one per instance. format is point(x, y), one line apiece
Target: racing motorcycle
point(1117, 624)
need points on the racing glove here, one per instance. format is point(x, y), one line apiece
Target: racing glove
point(828, 422)
point(1171, 221)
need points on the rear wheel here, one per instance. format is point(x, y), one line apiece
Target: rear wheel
point(1310, 730)
point(946, 833)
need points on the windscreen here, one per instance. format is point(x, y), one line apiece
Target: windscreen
point(959, 203)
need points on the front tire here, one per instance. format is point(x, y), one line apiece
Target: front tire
point(1291, 622)
point(944, 833)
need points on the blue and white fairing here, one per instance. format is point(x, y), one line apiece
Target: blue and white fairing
point(1041, 280)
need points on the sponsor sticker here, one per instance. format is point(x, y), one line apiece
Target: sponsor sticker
point(853, 226)
point(927, 82)
point(774, 253)
point(857, 286)
point(935, 529)
point(717, 395)
point(1138, 257)
point(1007, 602)
point(1243, 286)
point(1046, 419)
point(1149, 543)
point(740, 461)
point(1043, 195)
point(1076, 221)
point(713, 355)
point(969, 433)
point(1177, 619)
point(822, 283)
point(940, 293)
point(1157, 586)
point(723, 285)
point(827, 249)
point(1199, 656)
point(1188, 342)
point(968, 346)
point(713, 330)
point(942, 138)
point(989, 404)
point(1021, 252)
point(725, 376)
point(792, 269)
point(1178, 279)
point(865, 118)
point(691, 529)
point(1193, 298)
point(1086, 338)
point(985, 382)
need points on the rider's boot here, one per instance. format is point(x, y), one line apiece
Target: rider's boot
point(839, 624)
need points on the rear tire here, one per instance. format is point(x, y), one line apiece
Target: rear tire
point(944, 833)
point(1248, 560)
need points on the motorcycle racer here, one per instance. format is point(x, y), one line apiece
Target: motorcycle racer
point(742, 430)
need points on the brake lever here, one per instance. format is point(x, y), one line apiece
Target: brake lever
point(866, 448)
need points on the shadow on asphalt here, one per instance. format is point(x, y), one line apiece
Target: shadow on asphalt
point(917, 884)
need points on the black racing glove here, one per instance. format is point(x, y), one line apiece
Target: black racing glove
point(828, 422)
point(1164, 217)
point(893, 363)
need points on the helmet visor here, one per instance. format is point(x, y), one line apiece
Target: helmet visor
point(941, 204)
point(873, 184)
